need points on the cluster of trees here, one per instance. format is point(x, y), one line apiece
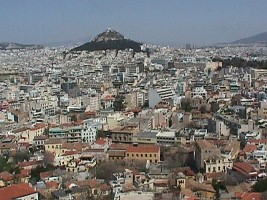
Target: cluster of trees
point(119, 103)
point(260, 186)
point(186, 105)
point(35, 173)
point(10, 164)
point(239, 62)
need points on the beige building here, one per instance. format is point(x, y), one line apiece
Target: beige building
point(205, 150)
point(54, 146)
point(29, 134)
point(216, 164)
point(143, 153)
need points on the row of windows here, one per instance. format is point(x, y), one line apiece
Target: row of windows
point(141, 155)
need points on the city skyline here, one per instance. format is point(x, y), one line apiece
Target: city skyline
point(172, 23)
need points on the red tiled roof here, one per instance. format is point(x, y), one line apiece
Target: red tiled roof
point(24, 173)
point(52, 184)
point(104, 187)
point(101, 141)
point(250, 148)
point(68, 153)
point(244, 167)
point(6, 176)
point(16, 191)
point(29, 163)
point(46, 174)
point(143, 149)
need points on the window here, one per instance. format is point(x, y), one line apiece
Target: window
point(219, 168)
point(141, 155)
point(145, 155)
point(150, 155)
point(127, 154)
point(155, 155)
point(137, 155)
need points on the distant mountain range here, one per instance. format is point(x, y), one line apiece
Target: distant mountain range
point(259, 38)
point(10, 46)
point(108, 40)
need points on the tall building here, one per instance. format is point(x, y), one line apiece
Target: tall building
point(156, 95)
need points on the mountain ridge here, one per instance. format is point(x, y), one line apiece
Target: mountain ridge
point(108, 40)
point(258, 38)
point(13, 45)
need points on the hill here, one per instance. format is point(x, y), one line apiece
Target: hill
point(259, 38)
point(10, 46)
point(108, 40)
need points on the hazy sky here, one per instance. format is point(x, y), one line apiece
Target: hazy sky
point(153, 21)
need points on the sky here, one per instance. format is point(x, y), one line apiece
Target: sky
point(168, 22)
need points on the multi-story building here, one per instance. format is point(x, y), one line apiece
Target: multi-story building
point(142, 153)
point(156, 95)
point(205, 150)
point(166, 138)
point(199, 91)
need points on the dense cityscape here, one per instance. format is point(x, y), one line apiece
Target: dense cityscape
point(107, 123)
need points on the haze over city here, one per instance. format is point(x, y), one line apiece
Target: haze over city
point(133, 100)
point(169, 23)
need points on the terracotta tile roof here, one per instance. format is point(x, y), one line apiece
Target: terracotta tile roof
point(16, 191)
point(6, 176)
point(29, 163)
point(105, 187)
point(44, 175)
point(248, 195)
point(143, 149)
point(24, 173)
point(101, 141)
point(68, 153)
point(52, 184)
point(244, 167)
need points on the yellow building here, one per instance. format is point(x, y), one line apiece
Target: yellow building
point(143, 153)
point(54, 146)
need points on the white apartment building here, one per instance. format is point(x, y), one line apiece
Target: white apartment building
point(199, 91)
point(217, 164)
point(155, 95)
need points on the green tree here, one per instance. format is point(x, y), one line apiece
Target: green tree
point(260, 186)
point(218, 185)
point(100, 134)
point(186, 105)
point(119, 103)
point(21, 156)
point(105, 170)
